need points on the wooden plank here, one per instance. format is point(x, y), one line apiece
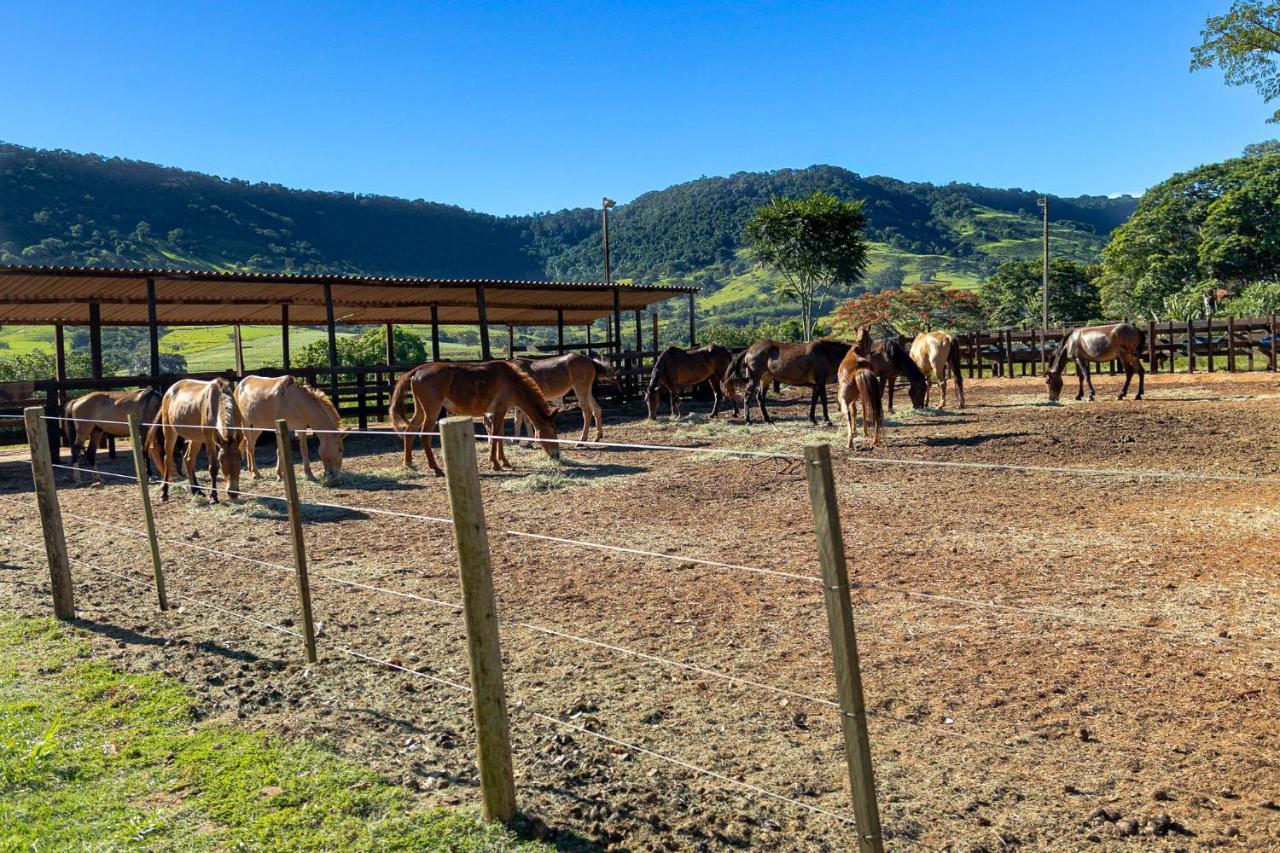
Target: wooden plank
point(144, 486)
point(1231, 344)
point(844, 644)
point(1273, 342)
point(480, 612)
point(285, 450)
point(46, 490)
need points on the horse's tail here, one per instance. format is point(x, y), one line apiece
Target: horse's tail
point(604, 373)
point(396, 406)
point(69, 427)
point(1142, 342)
point(154, 445)
point(953, 363)
point(735, 366)
point(872, 409)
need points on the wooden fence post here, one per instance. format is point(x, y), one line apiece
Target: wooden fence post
point(1231, 344)
point(140, 468)
point(1191, 346)
point(1153, 361)
point(488, 695)
point(285, 450)
point(1273, 342)
point(55, 543)
point(844, 644)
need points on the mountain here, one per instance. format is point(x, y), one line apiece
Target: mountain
point(58, 207)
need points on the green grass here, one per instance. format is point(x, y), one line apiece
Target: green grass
point(92, 758)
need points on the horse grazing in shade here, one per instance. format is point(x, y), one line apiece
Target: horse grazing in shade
point(810, 365)
point(858, 382)
point(935, 353)
point(888, 359)
point(481, 390)
point(103, 413)
point(1099, 344)
point(263, 400)
point(677, 367)
point(206, 415)
point(561, 374)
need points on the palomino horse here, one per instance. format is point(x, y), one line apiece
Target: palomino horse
point(1099, 344)
point(858, 382)
point(102, 413)
point(206, 415)
point(935, 353)
point(810, 365)
point(263, 400)
point(561, 374)
point(480, 390)
point(889, 359)
point(677, 367)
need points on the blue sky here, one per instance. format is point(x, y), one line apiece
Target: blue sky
point(519, 107)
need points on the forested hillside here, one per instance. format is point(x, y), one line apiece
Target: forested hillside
point(58, 207)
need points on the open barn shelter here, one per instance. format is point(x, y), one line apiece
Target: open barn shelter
point(155, 298)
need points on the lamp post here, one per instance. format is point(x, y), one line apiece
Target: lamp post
point(605, 204)
point(1043, 201)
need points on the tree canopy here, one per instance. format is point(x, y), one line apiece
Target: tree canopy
point(1013, 295)
point(1245, 44)
point(924, 307)
point(370, 347)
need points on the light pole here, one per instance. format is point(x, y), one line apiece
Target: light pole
point(605, 204)
point(1043, 201)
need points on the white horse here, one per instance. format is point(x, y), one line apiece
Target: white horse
point(934, 353)
point(264, 400)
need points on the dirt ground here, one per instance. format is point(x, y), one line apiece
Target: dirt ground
point(1107, 678)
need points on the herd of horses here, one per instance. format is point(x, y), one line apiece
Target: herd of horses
point(226, 418)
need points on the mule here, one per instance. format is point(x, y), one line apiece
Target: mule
point(561, 374)
point(485, 389)
point(936, 353)
point(676, 368)
point(103, 413)
point(1099, 344)
point(263, 400)
point(810, 365)
point(858, 383)
point(206, 415)
point(888, 359)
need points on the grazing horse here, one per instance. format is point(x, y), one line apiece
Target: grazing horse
point(888, 359)
point(561, 374)
point(810, 365)
point(858, 381)
point(1099, 344)
point(481, 390)
point(677, 367)
point(935, 353)
point(263, 400)
point(206, 415)
point(103, 413)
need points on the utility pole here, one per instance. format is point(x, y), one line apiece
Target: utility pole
point(1043, 201)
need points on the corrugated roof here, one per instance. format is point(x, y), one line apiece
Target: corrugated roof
point(41, 294)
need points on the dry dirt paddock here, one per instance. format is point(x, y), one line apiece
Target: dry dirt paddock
point(1051, 660)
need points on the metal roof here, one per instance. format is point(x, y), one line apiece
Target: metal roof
point(36, 295)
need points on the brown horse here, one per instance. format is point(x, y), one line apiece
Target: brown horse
point(936, 353)
point(858, 381)
point(676, 367)
point(263, 400)
point(1099, 344)
point(810, 365)
point(481, 390)
point(103, 413)
point(561, 374)
point(206, 415)
point(888, 359)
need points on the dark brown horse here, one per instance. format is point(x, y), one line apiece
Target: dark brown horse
point(810, 365)
point(677, 367)
point(481, 390)
point(888, 359)
point(1099, 344)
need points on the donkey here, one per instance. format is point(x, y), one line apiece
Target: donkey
point(676, 367)
point(810, 365)
point(1099, 344)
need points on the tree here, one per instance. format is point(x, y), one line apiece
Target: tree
point(1245, 44)
point(890, 277)
point(909, 311)
point(1013, 295)
point(816, 244)
point(367, 348)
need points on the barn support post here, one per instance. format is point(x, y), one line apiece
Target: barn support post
point(482, 317)
point(332, 329)
point(153, 333)
point(390, 344)
point(511, 341)
point(588, 339)
point(435, 333)
point(46, 490)
point(639, 331)
point(617, 319)
point(479, 608)
point(95, 340)
point(560, 331)
point(653, 335)
point(284, 449)
point(144, 486)
point(693, 324)
point(284, 336)
point(55, 400)
point(239, 341)
point(844, 644)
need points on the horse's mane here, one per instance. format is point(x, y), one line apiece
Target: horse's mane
point(1060, 356)
point(228, 412)
point(601, 367)
point(324, 401)
point(533, 391)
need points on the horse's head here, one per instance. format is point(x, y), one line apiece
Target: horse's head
point(230, 460)
point(917, 391)
point(331, 452)
point(651, 395)
point(548, 439)
point(1054, 381)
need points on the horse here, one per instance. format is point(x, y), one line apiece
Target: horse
point(934, 353)
point(481, 390)
point(888, 359)
point(676, 367)
point(858, 381)
point(102, 413)
point(561, 374)
point(1099, 344)
point(263, 400)
point(206, 415)
point(810, 365)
